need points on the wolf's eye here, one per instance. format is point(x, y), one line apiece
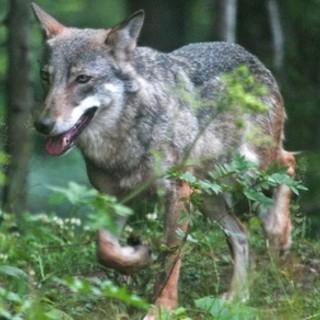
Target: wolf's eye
point(45, 76)
point(82, 78)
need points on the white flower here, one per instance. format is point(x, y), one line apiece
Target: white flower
point(128, 229)
point(75, 221)
point(43, 217)
point(58, 221)
point(3, 257)
point(32, 273)
point(152, 216)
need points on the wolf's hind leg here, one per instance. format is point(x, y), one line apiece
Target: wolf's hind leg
point(217, 210)
point(276, 221)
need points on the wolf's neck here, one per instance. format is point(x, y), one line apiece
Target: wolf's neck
point(121, 142)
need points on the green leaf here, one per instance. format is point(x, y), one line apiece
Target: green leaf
point(56, 314)
point(75, 193)
point(103, 289)
point(258, 197)
point(223, 310)
point(187, 177)
point(13, 272)
point(280, 178)
point(210, 187)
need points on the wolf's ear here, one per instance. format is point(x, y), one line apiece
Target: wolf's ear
point(50, 25)
point(122, 39)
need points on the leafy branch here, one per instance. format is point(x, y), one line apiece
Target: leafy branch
point(241, 176)
point(106, 207)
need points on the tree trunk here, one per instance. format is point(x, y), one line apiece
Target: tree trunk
point(226, 20)
point(165, 22)
point(277, 34)
point(19, 100)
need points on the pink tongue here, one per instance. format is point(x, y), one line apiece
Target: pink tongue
point(56, 146)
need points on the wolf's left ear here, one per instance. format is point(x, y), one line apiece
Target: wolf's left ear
point(122, 39)
point(50, 25)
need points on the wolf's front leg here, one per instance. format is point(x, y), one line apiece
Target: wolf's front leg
point(177, 215)
point(125, 259)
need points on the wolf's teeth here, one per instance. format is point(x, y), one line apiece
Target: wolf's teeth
point(65, 141)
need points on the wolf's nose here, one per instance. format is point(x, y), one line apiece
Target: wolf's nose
point(45, 125)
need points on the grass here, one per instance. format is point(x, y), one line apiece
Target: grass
point(48, 270)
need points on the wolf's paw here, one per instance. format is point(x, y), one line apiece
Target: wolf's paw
point(127, 259)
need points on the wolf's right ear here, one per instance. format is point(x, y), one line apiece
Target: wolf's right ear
point(50, 25)
point(122, 39)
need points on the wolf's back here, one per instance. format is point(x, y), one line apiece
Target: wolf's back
point(215, 58)
point(205, 63)
point(187, 88)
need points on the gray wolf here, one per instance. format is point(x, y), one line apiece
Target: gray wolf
point(120, 103)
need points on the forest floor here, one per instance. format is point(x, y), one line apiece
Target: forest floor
point(49, 270)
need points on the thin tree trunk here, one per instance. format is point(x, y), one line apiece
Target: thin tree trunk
point(277, 33)
point(165, 22)
point(226, 20)
point(19, 97)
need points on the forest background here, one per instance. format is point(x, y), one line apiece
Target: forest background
point(284, 34)
point(48, 265)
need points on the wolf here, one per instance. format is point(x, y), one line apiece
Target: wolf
point(120, 103)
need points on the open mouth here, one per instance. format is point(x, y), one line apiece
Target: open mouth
point(59, 144)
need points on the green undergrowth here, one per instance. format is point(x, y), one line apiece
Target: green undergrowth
point(49, 270)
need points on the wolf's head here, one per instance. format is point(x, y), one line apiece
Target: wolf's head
point(84, 72)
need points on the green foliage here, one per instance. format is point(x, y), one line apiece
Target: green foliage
point(48, 268)
point(241, 177)
point(40, 258)
point(220, 309)
point(106, 208)
point(243, 92)
point(98, 288)
point(239, 93)
point(12, 272)
point(4, 160)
